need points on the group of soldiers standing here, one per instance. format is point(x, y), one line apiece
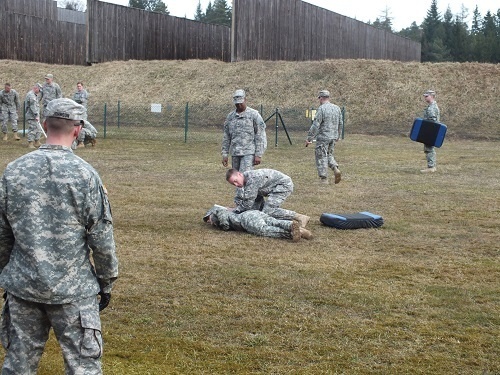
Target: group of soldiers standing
point(35, 104)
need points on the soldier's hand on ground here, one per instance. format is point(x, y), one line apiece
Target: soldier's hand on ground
point(308, 143)
point(224, 162)
point(104, 301)
point(257, 160)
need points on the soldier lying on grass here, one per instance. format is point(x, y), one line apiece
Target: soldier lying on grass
point(255, 222)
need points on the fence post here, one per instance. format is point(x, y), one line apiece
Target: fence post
point(118, 114)
point(186, 122)
point(105, 110)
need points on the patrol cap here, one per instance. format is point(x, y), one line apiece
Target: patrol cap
point(49, 76)
point(239, 96)
point(324, 94)
point(66, 109)
point(430, 92)
point(39, 85)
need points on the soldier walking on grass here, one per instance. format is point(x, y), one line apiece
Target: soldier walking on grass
point(9, 108)
point(244, 135)
point(325, 129)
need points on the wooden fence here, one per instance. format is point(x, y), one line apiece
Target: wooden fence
point(297, 31)
point(124, 33)
point(34, 30)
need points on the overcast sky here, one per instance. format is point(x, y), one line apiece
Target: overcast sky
point(403, 13)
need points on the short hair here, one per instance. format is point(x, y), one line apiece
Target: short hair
point(79, 83)
point(60, 125)
point(230, 173)
point(7, 84)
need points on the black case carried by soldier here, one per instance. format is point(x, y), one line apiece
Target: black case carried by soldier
point(428, 132)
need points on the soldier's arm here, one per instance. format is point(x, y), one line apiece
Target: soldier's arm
point(313, 131)
point(16, 101)
point(260, 135)
point(100, 238)
point(226, 139)
point(6, 234)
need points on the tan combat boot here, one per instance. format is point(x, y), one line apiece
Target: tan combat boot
point(93, 141)
point(296, 233)
point(30, 145)
point(302, 219)
point(5, 137)
point(323, 181)
point(37, 143)
point(80, 145)
point(336, 173)
point(304, 233)
point(428, 170)
point(16, 137)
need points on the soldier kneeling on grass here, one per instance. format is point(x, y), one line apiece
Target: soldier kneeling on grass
point(86, 136)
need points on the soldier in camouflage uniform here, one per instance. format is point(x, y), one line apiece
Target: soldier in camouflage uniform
point(9, 107)
point(32, 106)
point(50, 91)
point(86, 136)
point(255, 222)
point(430, 113)
point(268, 186)
point(244, 135)
point(325, 129)
point(57, 251)
point(81, 96)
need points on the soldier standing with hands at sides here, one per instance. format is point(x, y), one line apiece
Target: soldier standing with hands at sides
point(9, 107)
point(325, 128)
point(57, 251)
point(32, 106)
point(244, 135)
point(430, 113)
point(50, 91)
point(81, 96)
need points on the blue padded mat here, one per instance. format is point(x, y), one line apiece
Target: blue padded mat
point(352, 221)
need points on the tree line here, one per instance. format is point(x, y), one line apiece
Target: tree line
point(443, 37)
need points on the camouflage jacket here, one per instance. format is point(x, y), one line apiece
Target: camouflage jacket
point(32, 106)
point(244, 134)
point(9, 100)
point(432, 112)
point(326, 123)
point(81, 97)
point(260, 182)
point(50, 92)
point(56, 229)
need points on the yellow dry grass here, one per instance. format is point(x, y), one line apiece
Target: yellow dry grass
point(418, 296)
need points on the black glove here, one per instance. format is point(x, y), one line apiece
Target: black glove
point(104, 301)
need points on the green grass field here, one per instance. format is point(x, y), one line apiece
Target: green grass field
point(418, 296)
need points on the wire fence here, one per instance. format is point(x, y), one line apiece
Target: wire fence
point(189, 123)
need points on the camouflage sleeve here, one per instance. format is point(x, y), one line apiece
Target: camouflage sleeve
point(100, 238)
point(260, 135)
point(6, 234)
point(58, 92)
point(226, 139)
point(248, 196)
point(313, 131)
point(16, 101)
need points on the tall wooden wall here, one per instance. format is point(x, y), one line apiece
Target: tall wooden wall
point(123, 33)
point(297, 31)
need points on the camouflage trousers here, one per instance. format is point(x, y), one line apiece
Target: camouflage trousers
point(34, 131)
point(25, 330)
point(272, 205)
point(242, 163)
point(5, 116)
point(430, 155)
point(324, 157)
point(261, 224)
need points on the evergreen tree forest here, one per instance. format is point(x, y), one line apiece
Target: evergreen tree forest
point(443, 37)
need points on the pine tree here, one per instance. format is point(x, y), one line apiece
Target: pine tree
point(150, 5)
point(199, 15)
point(433, 48)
